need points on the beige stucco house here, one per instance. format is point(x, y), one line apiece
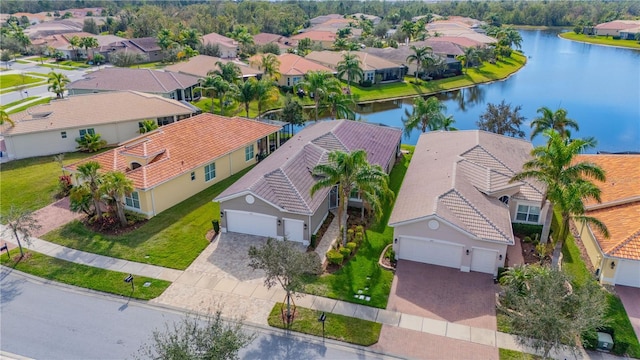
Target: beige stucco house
point(179, 160)
point(456, 204)
point(616, 259)
point(293, 68)
point(52, 128)
point(371, 65)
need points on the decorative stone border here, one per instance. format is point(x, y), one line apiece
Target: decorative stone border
point(382, 257)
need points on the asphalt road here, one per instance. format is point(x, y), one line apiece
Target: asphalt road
point(48, 321)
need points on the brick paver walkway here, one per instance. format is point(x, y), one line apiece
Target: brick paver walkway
point(54, 216)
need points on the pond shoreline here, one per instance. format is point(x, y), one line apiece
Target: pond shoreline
point(598, 44)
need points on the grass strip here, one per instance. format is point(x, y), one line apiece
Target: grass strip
point(601, 40)
point(84, 276)
point(337, 327)
point(29, 105)
point(18, 102)
point(13, 80)
point(506, 354)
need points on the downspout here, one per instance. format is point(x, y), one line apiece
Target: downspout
point(153, 203)
point(230, 166)
point(309, 230)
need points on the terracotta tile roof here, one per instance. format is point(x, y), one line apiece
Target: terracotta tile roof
point(292, 64)
point(369, 62)
point(215, 38)
point(94, 109)
point(284, 178)
point(143, 80)
point(200, 65)
point(181, 147)
point(620, 207)
point(315, 35)
point(452, 174)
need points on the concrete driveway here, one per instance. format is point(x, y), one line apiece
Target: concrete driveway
point(630, 297)
point(443, 293)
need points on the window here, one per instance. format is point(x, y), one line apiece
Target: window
point(528, 213)
point(504, 199)
point(193, 176)
point(370, 76)
point(210, 172)
point(248, 153)
point(354, 195)
point(132, 200)
point(63, 134)
point(84, 132)
point(165, 120)
point(135, 165)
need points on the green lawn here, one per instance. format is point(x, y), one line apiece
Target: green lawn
point(18, 102)
point(56, 66)
point(345, 283)
point(71, 63)
point(84, 276)
point(151, 65)
point(26, 106)
point(7, 81)
point(516, 355)
point(31, 183)
point(173, 238)
point(338, 327)
point(600, 40)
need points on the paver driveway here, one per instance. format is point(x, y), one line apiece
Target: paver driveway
point(630, 297)
point(443, 293)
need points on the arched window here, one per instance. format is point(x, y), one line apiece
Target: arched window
point(135, 165)
point(504, 199)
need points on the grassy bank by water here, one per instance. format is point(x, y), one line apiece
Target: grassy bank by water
point(601, 40)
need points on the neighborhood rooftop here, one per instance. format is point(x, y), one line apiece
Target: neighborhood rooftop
point(200, 65)
point(368, 61)
point(144, 80)
point(291, 64)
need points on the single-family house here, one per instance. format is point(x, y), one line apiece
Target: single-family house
point(614, 28)
point(52, 128)
point(293, 68)
point(616, 259)
point(372, 66)
point(48, 28)
point(284, 43)
point(456, 204)
point(147, 47)
point(228, 47)
point(177, 161)
point(274, 198)
point(324, 38)
point(62, 43)
point(630, 33)
point(201, 65)
point(399, 57)
point(164, 83)
point(360, 16)
point(462, 41)
point(324, 18)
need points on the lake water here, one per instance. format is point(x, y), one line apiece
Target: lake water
point(599, 86)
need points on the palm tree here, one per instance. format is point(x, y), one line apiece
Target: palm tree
point(57, 83)
point(420, 54)
point(350, 65)
point(270, 65)
point(567, 182)
point(89, 42)
point(424, 113)
point(74, 43)
point(217, 85)
point(341, 106)
point(90, 142)
point(557, 121)
point(246, 93)
point(190, 37)
point(351, 171)
point(91, 179)
point(266, 93)
point(470, 57)
point(443, 123)
point(147, 126)
point(229, 71)
point(408, 28)
point(340, 44)
point(165, 39)
point(115, 185)
point(4, 118)
point(319, 84)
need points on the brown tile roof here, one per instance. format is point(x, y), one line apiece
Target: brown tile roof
point(200, 65)
point(620, 207)
point(284, 178)
point(146, 44)
point(440, 47)
point(452, 173)
point(465, 42)
point(292, 64)
point(93, 109)
point(143, 80)
point(618, 25)
point(181, 147)
point(215, 38)
point(316, 36)
point(368, 61)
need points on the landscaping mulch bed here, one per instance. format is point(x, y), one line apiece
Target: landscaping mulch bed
point(111, 226)
point(531, 255)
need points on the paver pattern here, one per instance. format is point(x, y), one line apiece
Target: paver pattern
point(53, 216)
point(630, 297)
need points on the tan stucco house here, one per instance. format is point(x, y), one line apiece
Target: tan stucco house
point(371, 65)
point(293, 69)
point(274, 198)
point(179, 160)
point(616, 259)
point(52, 128)
point(456, 205)
point(202, 65)
point(228, 47)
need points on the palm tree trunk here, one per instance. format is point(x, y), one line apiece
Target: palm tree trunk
point(317, 105)
point(120, 211)
point(96, 205)
point(221, 107)
point(345, 217)
point(246, 109)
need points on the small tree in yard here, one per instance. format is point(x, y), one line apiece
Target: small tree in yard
point(547, 311)
point(197, 338)
point(20, 222)
point(502, 119)
point(284, 264)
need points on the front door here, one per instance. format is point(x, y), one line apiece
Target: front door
point(334, 199)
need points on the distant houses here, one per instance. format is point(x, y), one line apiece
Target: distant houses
point(372, 66)
point(147, 47)
point(293, 68)
point(201, 65)
point(623, 29)
point(228, 47)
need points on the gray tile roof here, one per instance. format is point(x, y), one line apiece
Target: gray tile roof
point(143, 80)
point(284, 178)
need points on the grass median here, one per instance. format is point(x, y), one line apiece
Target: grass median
point(84, 276)
point(337, 327)
point(12, 80)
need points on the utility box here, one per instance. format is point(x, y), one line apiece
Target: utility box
point(605, 342)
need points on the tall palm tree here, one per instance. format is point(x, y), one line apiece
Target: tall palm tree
point(90, 178)
point(270, 65)
point(424, 113)
point(320, 84)
point(350, 65)
point(266, 93)
point(219, 86)
point(471, 56)
point(4, 118)
point(556, 120)
point(57, 83)
point(229, 71)
point(408, 28)
point(89, 42)
point(115, 186)
point(341, 106)
point(351, 171)
point(246, 93)
point(443, 123)
point(75, 43)
point(340, 44)
point(567, 182)
point(420, 54)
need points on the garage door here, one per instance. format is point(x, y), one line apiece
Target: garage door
point(431, 252)
point(294, 229)
point(628, 273)
point(252, 223)
point(483, 260)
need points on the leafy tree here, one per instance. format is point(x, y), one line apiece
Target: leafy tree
point(270, 65)
point(266, 93)
point(351, 66)
point(351, 171)
point(4, 118)
point(319, 84)
point(115, 186)
point(270, 48)
point(195, 338)
point(20, 37)
point(57, 83)
point(90, 142)
point(98, 59)
point(285, 264)
point(20, 222)
point(147, 126)
point(420, 54)
point(90, 26)
point(246, 93)
point(292, 111)
point(547, 312)
point(556, 120)
point(341, 106)
point(90, 178)
point(228, 71)
point(209, 49)
point(424, 116)
point(502, 119)
point(126, 58)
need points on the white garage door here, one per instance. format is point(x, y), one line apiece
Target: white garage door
point(628, 273)
point(431, 252)
point(483, 260)
point(252, 223)
point(294, 229)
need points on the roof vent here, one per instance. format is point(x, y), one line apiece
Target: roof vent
point(41, 115)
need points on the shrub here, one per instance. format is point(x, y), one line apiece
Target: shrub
point(359, 229)
point(64, 185)
point(133, 217)
point(314, 241)
point(366, 83)
point(334, 257)
point(216, 225)
point(345, 251)
point(529, 230)
point(526, 239)
point(359, 237)
point(351, 246)
point(350, 235)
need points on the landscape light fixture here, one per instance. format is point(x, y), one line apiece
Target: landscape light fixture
point(305, 226)
point(221, 214)
point(395, 240)
point(467, 251)
point(500, 257)
point(279, 222)
point(613, 265)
